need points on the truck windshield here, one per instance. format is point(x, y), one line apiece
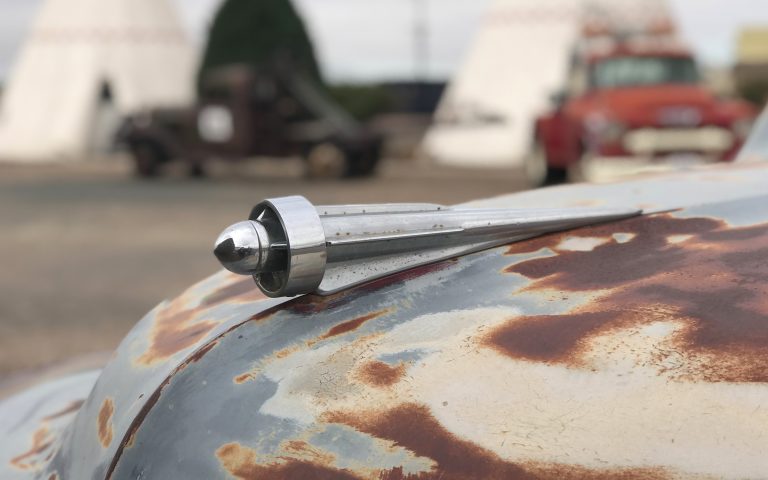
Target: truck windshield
point(637, 71)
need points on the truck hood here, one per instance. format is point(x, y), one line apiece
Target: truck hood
point(643, 105)
point(612, 350)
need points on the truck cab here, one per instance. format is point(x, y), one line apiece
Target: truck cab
point(630, 106)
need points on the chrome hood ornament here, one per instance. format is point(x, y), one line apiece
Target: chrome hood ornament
point(292, 247)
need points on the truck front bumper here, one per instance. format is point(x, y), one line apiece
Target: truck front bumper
point(649, 141)
point(655, 150)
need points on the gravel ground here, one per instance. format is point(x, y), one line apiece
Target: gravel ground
point(86, 249)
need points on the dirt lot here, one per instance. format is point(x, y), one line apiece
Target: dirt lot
point(86, 249)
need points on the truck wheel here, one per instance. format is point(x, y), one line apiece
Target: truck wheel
point(327, 160)
point(196, 170)
point(147, 159)
point(538, 172)
point(364, 165)
point(556, 176)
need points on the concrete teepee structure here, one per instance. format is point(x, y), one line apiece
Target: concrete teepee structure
point(85, 65)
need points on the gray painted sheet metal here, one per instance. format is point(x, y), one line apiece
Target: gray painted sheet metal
point(35, 423)
point(608, 350)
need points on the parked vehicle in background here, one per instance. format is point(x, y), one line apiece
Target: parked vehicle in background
point(634, 102)
point(243, 113)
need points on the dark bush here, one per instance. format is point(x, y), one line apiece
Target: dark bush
point(362, 101)
point(259, 33)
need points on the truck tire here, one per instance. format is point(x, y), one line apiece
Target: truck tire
point(538, 172)
point(556, 176)
point(364, 164)
point(147, 158)
point(197, 170)
point(327, 160)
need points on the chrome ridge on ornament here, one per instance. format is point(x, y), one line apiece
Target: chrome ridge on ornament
point(292, 247)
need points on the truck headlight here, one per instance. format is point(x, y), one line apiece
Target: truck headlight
point(612, 132)
point(605, 130)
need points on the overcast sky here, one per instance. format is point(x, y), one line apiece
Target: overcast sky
point(372, 39)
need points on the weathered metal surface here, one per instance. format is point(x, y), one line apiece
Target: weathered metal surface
point(636, 349)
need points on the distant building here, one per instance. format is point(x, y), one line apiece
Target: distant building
point(753, 45)
point(85, 65)
point(751, 70)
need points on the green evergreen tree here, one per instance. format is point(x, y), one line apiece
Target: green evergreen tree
point(259, 33)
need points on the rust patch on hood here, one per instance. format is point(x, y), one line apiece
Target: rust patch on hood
point(568, 472)
point(379, 374)
point(543, 472)
point(198, 355)
point(612, 264)
point(243, 289)
point(353, 324)
point(73, 407)
point(177, 327)
point(302, 450)
point(104, 425)
point(245, 377)
point(713, 282)
point(309, 304)
point(42, 440)
point(413, 427)
point(548, 338)
point(174, 331)
point(340, 329)
point(242, 463)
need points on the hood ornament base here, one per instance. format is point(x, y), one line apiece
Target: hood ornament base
point(292, 247)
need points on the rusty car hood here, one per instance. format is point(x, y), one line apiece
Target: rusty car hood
point(635, 348)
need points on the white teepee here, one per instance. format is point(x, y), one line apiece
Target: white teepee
point(520, 57)
point(85, 64)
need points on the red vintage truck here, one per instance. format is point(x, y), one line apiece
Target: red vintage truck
point(634, 104)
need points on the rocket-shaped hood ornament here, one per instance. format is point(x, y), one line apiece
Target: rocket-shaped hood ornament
point(292, 247)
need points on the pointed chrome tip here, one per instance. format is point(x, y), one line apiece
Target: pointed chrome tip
point(238, 248)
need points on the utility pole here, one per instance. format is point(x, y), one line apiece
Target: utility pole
point(420, 39)
point(420, 46)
